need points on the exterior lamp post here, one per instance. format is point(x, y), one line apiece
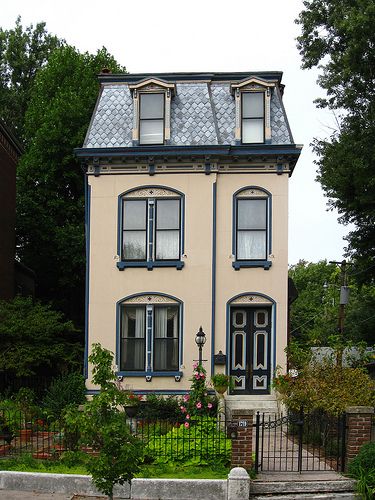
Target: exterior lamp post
point(200, 340)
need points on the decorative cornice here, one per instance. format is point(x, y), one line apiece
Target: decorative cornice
point(251, 299)
point(150, 299)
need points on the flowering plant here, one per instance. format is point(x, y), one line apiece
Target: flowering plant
point(197, 402)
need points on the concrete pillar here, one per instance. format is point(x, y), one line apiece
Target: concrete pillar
point(358, 423)
point(238, 484)
point(242, 438)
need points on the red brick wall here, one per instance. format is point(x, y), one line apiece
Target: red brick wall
point(242, 445)
point(358, 429)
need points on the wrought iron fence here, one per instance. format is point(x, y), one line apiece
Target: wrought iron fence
point(201, 439)
point(300, 442)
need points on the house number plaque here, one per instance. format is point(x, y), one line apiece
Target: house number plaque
point(242, 423)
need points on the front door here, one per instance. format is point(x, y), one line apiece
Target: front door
point(250, 349)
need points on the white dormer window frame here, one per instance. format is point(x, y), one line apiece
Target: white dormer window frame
point(152, 121)
point(253, 110)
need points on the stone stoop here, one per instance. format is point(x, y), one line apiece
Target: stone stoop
point(288, 490)
point(263, 404)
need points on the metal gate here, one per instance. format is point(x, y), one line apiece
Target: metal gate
point(298, 442)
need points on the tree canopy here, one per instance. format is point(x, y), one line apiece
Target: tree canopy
point(314, 314)
point(35, 339)
point(50, 183)
point(338, 37)
point(22, 53)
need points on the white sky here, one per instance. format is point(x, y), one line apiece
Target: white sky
point(211, 35)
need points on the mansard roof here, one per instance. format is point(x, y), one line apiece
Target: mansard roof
point(202, 109)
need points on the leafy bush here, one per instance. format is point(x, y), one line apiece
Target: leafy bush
point(159, 408)
point(362, 468)
point(63, 391)
point(327, 387)
point(200, 443)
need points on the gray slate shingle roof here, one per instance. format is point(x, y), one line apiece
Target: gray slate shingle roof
point(201, 114)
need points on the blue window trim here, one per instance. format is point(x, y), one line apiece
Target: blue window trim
point(237, 264)
point(150, 373)
point(266, 264)
point(149, 263)
point(87, 278)
point(273, 329)
point(178, 264)
point(148, 370)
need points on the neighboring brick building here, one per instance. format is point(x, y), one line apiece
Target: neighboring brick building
point(10, 151)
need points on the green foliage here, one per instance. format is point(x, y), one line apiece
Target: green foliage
point(22, 53)
point(102, 371)
point(63, 391)
point(34, 337)
point(362, 468)
point(50, 184)
point(102, 426)
point(338, 37)
point(160, 408)
point(202, 442)
point(221, 380)
point(328, 387)
point(314, 314)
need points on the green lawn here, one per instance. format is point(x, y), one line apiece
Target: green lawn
point(26, 463)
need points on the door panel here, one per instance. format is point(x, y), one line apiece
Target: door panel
point(250, 356)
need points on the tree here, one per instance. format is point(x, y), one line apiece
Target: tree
point(338, 36)
point(50, 216)
point(22, 54)
point(314, 314)
point(34, 339)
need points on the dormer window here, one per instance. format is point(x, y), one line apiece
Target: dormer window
point(152, 111)
point(252, 129)
point(253, 110)
point(151, 119)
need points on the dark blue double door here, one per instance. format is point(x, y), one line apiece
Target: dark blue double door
point(250, 349)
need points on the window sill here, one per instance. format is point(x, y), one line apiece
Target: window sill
point(149, 374)
point(178, 264)
point(266, 264)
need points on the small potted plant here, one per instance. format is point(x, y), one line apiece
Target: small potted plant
point(221, 382)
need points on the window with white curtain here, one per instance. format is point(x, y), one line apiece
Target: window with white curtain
point(151, 229)
point(151, 119)
point(252, 117)
point(251, 229)
point(153, 329)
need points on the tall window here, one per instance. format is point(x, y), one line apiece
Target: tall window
point(252, 117)
point(151, 229)
point(251, 239)
point(149, 338)
point(151, 119)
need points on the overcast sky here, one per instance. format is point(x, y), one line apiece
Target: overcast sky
point(211, 35)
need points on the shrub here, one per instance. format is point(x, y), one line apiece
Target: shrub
point(327, 387)
point(362, 468)
point(64, 391)
point(103, 427)
point(202, 442)
point(159, 408)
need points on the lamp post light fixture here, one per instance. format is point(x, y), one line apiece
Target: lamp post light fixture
point(200, 340)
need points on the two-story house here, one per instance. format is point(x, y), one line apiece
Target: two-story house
point(187, 226)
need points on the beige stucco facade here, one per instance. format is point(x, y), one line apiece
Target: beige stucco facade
point(194, 285)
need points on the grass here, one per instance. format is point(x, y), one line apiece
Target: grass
point(26, 463)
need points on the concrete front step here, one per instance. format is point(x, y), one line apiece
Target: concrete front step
point(309, 496)
point(261, 488)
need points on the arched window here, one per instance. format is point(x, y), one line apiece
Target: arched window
point(151, 228)
point(150, 335)
point(251, 228)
